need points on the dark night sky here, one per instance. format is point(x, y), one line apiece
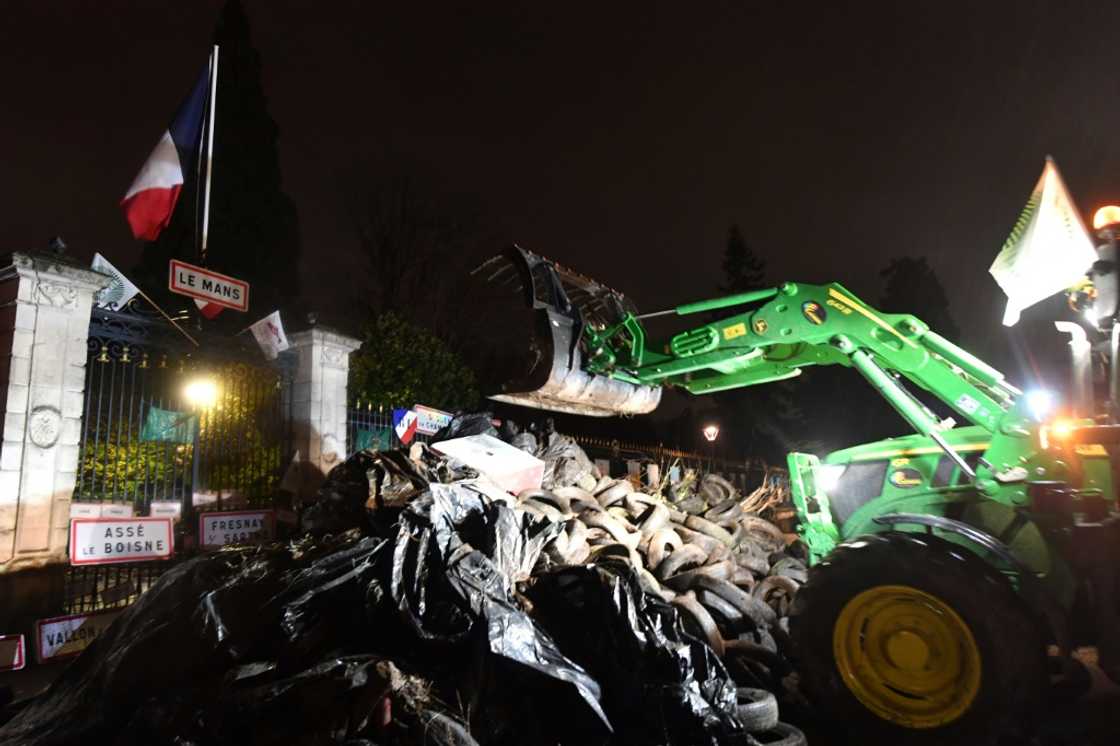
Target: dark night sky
point(621, 139)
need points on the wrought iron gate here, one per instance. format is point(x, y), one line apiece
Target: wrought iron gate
point(144, 440)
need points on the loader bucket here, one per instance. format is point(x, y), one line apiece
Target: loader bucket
point(563, 302)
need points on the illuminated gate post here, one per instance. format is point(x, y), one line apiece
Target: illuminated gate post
point(318, 402)
point(45, 303)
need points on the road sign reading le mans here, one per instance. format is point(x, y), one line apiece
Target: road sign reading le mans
point(204, 284)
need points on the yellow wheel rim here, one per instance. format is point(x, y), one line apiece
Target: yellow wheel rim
point(907, 656)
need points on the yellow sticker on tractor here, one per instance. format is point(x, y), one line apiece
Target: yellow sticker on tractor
point(906, 478)
point(735, 330)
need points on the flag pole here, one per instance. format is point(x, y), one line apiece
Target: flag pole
point(156, 306)
point(209, 152)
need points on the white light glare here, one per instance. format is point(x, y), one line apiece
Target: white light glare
point(1040, 402)
point(201, 393)
point(828, 476)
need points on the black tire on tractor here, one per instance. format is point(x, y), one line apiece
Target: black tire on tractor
point(887, 580)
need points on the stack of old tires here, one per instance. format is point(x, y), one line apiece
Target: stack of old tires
point(730, 573)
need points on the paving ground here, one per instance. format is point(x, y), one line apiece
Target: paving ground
point(1093, 720)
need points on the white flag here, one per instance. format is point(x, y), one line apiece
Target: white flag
point(1048, 251)
point(120, 290)
point(270, 335)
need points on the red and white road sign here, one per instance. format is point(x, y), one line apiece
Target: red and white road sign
point(207, 285)
point(103, 541)
point(66, 636)
point(219, 528)
point(13, 653)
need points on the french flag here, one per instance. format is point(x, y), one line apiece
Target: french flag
point(151, 199)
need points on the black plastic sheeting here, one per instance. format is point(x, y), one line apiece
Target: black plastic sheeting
point(305, 643)
point(468, 423)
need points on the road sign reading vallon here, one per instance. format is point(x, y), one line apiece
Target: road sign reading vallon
point(218, 528)
point(204, 284)
point(102, 541)
point(65, 636)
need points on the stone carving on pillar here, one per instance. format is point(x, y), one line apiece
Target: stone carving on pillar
point(55, 294)
point(44, 425)
point(335, 358)
point(330, 453)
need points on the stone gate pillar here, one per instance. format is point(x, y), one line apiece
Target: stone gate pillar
point(45, 303)
point(318, 403)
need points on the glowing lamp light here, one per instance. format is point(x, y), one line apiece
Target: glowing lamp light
point(711, 432)
point(1061, 429)
point(201, 393)
point(1106, 216)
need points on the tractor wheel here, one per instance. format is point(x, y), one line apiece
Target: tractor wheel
point(907, 638)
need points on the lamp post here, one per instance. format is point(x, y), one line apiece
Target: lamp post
point(711, 433)
point(201, 394)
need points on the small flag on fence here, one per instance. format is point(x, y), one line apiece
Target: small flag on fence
point(404, 424)
point(269, 333)
point(168, 425)
point(1048, 250)
point(379, 439)
point(120, 290)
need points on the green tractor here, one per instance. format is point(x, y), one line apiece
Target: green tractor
point(943, 563)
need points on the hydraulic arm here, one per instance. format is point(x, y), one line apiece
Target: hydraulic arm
point(781, 330)
point(594, 356)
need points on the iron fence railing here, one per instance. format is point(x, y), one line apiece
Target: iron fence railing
point(746, 474)
point(103, 587)
point(370, 426)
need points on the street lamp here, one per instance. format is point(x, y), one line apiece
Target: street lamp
point(710, 433)
point(201, 394)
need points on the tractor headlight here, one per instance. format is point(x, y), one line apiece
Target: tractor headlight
point(1040, 403)
point(828, 476)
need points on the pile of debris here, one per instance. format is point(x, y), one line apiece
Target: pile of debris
point(424, 604)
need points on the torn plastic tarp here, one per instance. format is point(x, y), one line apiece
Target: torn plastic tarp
point(467, 423)
point(456, 538)
point(660, 685)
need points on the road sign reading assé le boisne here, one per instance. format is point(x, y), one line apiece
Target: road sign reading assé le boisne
point(102, 541)
point(207, 285)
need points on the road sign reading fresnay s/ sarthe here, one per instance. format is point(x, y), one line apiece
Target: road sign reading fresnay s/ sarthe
point(207, 285)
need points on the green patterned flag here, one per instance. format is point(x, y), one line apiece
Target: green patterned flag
point(380, 439)
point(120, 289)
point(1048, 250)
point(168, 425)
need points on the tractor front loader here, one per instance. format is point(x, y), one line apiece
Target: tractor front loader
point(944, 562)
